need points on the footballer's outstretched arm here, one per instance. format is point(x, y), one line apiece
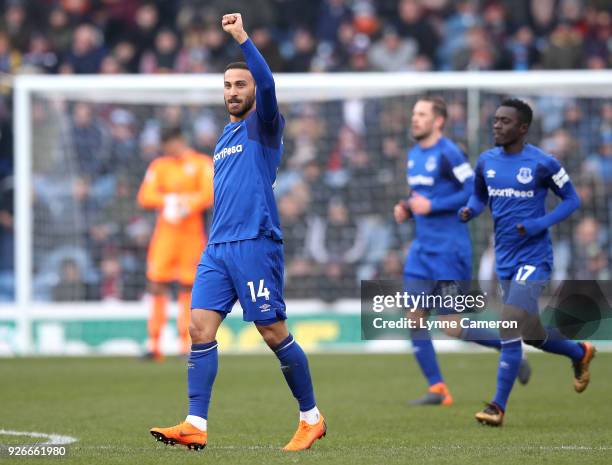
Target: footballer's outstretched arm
point(559, 182)
point(267, 106)
point(479, 198)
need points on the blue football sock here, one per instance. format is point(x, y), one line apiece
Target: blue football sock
point(201, 372)
point(556, 343)
point(484, 337)
point(294, 365)
point(426, 356)
point(509, 361)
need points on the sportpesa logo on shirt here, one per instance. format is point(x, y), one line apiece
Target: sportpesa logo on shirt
point(510, 192)
point(420, 180)
point(227, 151)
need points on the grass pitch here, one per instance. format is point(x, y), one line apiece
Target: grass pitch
point(109, 404)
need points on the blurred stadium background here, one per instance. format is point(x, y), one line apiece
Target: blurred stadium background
point(73, 149)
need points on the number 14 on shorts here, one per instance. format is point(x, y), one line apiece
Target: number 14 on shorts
point(261, 292)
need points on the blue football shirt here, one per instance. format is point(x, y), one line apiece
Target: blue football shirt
point(443, 174)
point(515, 187)
point(246, 158)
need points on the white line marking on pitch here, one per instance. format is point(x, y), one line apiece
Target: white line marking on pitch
point(55, 439)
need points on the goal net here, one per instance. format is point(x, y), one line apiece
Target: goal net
point(83, 145)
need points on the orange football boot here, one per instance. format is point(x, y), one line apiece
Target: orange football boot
point(306, 435)
point(183, 433)
point(582, 376)
point(437, 394)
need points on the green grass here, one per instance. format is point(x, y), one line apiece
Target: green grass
point(110, 403)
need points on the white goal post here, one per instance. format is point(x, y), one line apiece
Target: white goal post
point(207, 89)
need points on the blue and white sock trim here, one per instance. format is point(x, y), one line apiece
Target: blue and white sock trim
point(286, 343)
point(201, 348)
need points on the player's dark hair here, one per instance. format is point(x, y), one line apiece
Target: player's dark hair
point(523, 109)
point(438, 105)
point(237, 65)
point(171, 133)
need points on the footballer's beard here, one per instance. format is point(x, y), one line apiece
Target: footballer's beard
point(246, 105)
point(419, 136)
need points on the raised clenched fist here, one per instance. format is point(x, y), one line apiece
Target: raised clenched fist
point(232, 24)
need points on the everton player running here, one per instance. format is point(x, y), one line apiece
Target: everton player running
point(441, 181)
point(244, 257)
point(513, 179)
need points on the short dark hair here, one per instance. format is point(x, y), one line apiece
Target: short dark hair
point(438, 104)
point(171, 133)
point(237, 65)
point(523, 109)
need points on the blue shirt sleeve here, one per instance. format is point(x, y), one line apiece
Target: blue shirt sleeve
point(480, 196)
point(557, 180)
point(454, 166)
point(265, 95)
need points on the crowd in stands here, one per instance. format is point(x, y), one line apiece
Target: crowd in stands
point(341, 173)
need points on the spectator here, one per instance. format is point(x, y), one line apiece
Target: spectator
point(16, 25)
point(391, 53)
point(391, 267)
point(480, 53)
point(597, 38)
point(455, 29)
point(599, 164)
point(590, 260)
point(145, 30)
point(165, 57)
point(9, 59)
point(332, 14)
point(195, 51)
point(216, 45)
point(122, 144)
point(263, 40)
point(523, 49)
point(88, 141)
point(59, 31)
point(87, 51)
point(71, 286)
point(564, 50)
point(336, 239)
point(45, 237)
point(412, 24)
point(542, 17)
point(335, 243)
point(304, 50)
point(40, 56)
point(497, 23)
point(126, 55)
point(111, 286)
point(110, 65)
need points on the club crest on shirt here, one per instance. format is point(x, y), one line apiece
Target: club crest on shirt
point(524, 175)
point(430, 164)
point(490, 173)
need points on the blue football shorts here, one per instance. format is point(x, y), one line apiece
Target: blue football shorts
point(522, 287)
point(435, 273)
point(250, 271)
